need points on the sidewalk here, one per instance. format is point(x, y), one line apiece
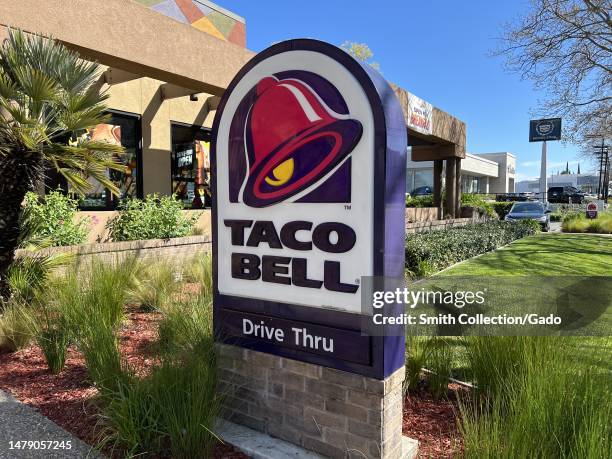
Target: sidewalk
point(21, 423)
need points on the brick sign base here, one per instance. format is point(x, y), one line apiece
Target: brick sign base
point(330, 412)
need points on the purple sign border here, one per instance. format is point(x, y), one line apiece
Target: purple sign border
point(389, 225)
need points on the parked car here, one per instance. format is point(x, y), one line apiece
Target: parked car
point(530, 210)
point(565, 194)
point(422, 191)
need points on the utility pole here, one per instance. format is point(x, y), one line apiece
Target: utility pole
point(602, 153)
point(606, 181)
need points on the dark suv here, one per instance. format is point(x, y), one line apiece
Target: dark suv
point(565, 194)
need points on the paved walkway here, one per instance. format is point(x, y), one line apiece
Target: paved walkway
point(21, 423)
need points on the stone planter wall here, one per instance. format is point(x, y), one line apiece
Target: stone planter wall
point(421, 214)
point(171, 250)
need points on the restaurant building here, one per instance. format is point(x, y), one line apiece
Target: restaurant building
point(166, 63)
point(480, 173)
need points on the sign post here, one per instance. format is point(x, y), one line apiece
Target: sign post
point(309, 162)
point(541, 131)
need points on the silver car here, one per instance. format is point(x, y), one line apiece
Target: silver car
point(530, 210)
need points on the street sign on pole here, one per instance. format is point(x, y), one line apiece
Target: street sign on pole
point(545, 129)
point(541, 131)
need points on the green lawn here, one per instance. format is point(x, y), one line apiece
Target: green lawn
point(555, 254)
point(543, 255)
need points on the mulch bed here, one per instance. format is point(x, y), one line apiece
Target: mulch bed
point(69, 399)
point(434, 422)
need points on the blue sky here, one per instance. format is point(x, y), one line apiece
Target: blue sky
point(436, 49)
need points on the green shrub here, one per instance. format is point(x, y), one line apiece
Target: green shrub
point(171, 411)
point(562, 212)
point(154, 217)
point(478, 202)
point(28, 275)
point(502, 208)
point(556, 216)
point(54, 216)
point(185, 325)
point(419, 201)
point(496, 360)
point(439, 249)
point(52, 330)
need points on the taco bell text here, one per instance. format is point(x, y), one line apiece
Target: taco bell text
point(328, 237)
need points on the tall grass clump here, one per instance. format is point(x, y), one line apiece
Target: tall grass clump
point(171, 412)
point(439, 362)
point(91, 300)
point(578, 223)
point(418, 349)
point(539, 403)
point(17, 326)
point(199, 270)
point(52, 335)
point(153, 285)
point(495, 361)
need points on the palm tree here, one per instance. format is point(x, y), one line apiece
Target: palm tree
point(48, 100)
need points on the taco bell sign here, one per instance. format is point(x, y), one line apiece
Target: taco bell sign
point(308, 158)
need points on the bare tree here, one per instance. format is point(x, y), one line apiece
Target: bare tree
point(565, 48)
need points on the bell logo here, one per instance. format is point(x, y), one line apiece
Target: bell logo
point(291, 141)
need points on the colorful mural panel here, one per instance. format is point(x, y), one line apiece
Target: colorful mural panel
point(204, 16)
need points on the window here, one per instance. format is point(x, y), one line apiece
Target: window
point(122, 129)
point(190, 173)
point(423, 177)
point(473, 184)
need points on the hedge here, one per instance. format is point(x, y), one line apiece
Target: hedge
point(431, 251)
point(419, 201)
point(502, 208)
